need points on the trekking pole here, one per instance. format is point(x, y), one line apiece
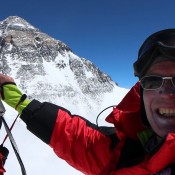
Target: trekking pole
point(12, 141)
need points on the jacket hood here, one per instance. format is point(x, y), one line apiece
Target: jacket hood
point(126, 116)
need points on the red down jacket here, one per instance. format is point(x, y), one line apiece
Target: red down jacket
point(3, 156)
point(99, 150)
point(2, 170)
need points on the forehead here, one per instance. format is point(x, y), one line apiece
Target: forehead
point(164, 68)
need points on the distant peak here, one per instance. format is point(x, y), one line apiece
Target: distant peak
point(16, 21)
point(13, 18)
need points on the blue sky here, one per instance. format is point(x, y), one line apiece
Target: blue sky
point(106, 32)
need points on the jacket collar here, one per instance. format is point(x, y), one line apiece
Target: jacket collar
point(127, 115)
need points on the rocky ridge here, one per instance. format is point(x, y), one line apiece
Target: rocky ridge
point(48, 70)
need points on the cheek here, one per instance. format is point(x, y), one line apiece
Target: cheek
point(148, 99)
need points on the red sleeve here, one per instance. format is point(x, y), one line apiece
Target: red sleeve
point(82, 144)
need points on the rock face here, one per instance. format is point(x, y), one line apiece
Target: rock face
point(46, 69)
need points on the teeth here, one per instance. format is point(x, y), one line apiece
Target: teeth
point(166, 112)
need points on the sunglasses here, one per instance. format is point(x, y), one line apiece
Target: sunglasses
point(154, 82)
point(159, 43)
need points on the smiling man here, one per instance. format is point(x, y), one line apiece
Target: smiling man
point(159, 97)
point(142, 141)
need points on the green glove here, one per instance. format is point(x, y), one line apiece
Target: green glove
point(13, 97)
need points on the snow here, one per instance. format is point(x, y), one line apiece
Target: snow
point(52, 79)
point(38, 157)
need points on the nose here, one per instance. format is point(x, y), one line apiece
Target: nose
point(167, 87)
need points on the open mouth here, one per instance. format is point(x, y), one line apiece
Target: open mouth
point(166, 112)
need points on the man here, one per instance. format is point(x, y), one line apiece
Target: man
point(143, 139)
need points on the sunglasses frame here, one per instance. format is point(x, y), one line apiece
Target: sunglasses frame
point(162, 79)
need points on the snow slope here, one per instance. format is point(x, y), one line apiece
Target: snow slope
point(38, 157)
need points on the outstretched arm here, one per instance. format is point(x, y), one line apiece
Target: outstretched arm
point(82, 144)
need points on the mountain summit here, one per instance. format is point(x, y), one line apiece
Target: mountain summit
point(46, 69)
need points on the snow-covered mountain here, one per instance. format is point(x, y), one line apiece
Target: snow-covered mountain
point(47, 69)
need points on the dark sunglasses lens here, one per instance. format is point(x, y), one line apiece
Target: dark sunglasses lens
point(151, 82)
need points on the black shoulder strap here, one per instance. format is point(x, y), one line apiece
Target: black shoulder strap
point(131, 154)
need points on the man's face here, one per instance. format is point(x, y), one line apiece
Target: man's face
point(160, 103)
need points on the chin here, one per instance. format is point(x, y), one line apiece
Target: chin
point(164, 134)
